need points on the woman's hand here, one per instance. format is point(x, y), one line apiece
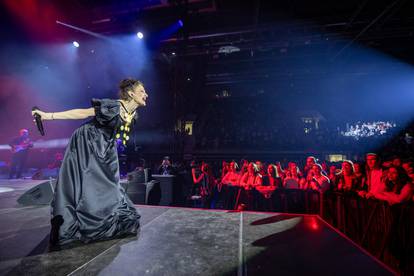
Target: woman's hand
point(43, 115)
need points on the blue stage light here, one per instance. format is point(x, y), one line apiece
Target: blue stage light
point(76, 44)
point(140, 35)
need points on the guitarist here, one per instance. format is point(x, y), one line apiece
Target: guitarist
point(20, 147)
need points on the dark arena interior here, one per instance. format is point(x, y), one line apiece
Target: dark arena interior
point(207, 137)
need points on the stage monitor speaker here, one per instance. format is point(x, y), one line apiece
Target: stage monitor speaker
point(41, 194)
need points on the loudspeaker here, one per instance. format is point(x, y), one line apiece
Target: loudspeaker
point(41, 194)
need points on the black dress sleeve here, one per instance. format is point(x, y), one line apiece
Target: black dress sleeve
point(106, 110)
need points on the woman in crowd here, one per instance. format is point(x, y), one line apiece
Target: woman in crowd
point(310, 161)
point(272, 177)
point(360, 182)
point(398, 189)
point(408, 167)
point(261, 167)
point(280, 171)
point(293, 177)
point(248, 182)
point(232, 177)
point(319, 181)
point(346, 180)
point(229, 184)
point(252, 177)
point(205, 183)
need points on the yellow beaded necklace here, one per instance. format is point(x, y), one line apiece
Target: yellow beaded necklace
point(125, 128)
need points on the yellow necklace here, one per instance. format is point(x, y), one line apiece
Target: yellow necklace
point(125, 128)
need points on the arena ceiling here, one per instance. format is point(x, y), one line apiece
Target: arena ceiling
point(210, 24)
point(241, 39)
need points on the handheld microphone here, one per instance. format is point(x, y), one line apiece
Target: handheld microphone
point(38, 120)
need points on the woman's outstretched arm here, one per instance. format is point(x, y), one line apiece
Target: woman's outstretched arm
point(68, 114)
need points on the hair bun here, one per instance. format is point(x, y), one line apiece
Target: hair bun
point(126, 83)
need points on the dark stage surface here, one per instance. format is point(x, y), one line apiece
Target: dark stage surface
point(179, 241)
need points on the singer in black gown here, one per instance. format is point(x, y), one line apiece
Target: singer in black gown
point(89, 203)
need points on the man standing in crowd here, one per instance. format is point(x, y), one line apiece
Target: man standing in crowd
point(374, 175)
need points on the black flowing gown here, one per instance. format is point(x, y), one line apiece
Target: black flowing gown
point(89, 203)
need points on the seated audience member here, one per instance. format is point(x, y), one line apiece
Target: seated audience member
point(374, 175)
point(272, 177)
point(165, 168)
point(232, 177)
point(252, 177)
point(319, 181)
point(398, 189)
point(346, 180)
point(361, 184)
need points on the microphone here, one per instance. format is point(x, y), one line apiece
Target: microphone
point(38, 120)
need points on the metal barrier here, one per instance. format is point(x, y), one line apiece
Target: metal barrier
point(387, 232)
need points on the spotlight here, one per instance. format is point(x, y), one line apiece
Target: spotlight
point(76, 44)
point(181, 23)
point(140, 35)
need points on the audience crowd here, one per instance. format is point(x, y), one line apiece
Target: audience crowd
point(389, 180)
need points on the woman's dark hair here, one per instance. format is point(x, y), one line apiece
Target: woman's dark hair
point(401, 181)
point(125, 85)
point(275, 173)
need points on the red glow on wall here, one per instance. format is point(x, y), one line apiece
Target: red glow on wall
point(37, 17)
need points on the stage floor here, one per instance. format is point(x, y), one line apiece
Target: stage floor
point(181, 241)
